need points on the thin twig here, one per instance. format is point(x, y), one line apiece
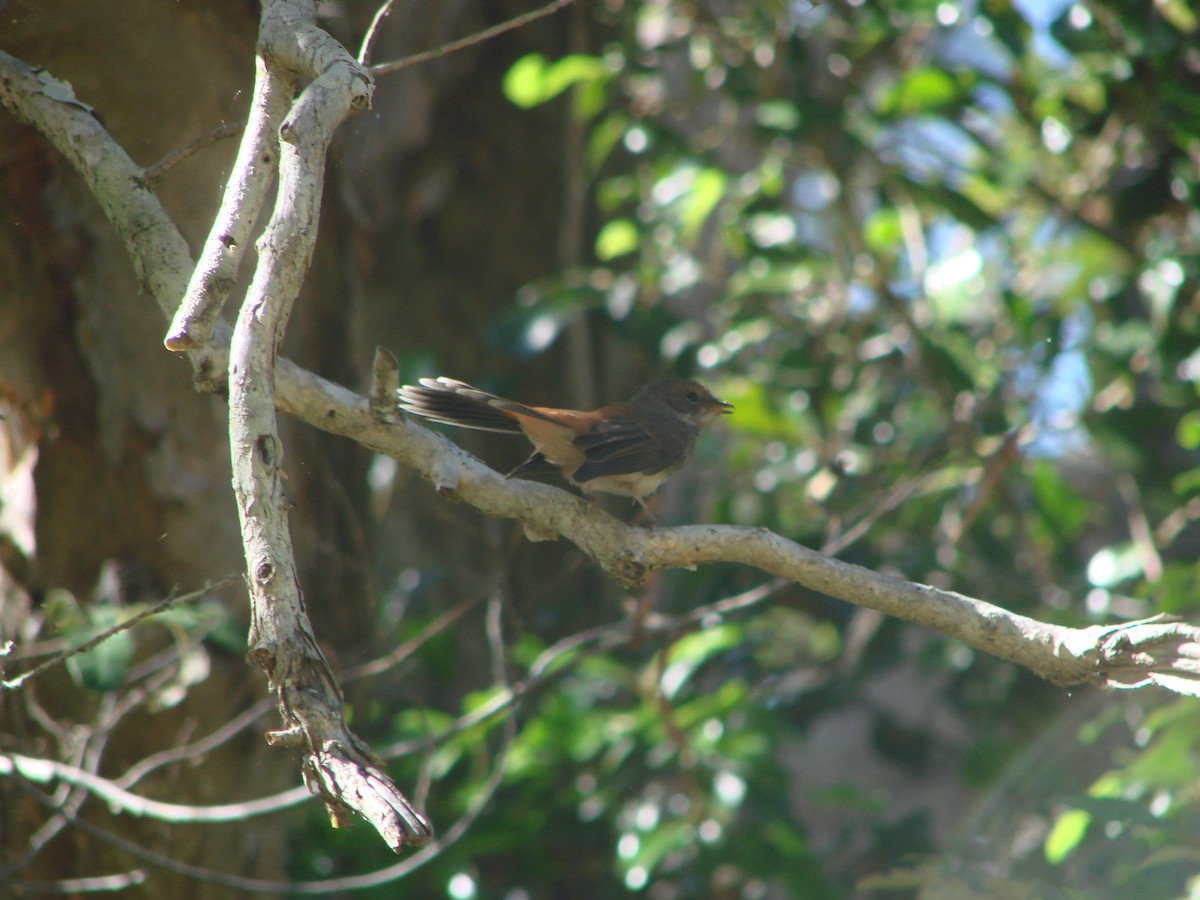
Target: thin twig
point(368, 42)
point(157, 859)
point(383, 876)
point(175, 157)
point(405, 650)
point(904, 489)
point(603, 638)
point(495, 636)
point(244, 720)
point(469, 41)
point(479, 802)
point(14, 683)
point(70, 797)
point(207, 744)
point(115, 790)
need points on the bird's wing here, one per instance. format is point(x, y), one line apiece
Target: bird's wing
point(623, 446)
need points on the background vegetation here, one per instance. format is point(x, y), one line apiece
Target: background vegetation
point(942, 258)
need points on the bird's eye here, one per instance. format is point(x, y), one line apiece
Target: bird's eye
point(692, 397)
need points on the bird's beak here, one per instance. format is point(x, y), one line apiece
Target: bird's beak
point(722, 407)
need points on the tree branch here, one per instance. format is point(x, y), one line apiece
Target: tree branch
point(253, 172)
point(117, 798)
point(338, 767)
point(1131, 654)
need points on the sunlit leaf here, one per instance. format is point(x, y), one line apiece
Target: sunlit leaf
point(1066, 834)
point(706, 191)
point(603, 138)
point(921, 90)
point(690, 652)
point(616, 238)
point(533, 79)
point(1179, 14)
point(524, 83)
point(883, 232)
point(1187, 431)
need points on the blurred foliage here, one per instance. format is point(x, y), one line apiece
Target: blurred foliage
point(943, 259)
point(107, 622)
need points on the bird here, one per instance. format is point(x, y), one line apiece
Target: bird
point(627, 449)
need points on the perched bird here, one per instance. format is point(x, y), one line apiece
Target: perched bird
point(627, 449)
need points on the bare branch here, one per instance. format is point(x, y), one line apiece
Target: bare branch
point(161, 260)
point(204, 745)
point(175, 157)
point(97, 884)
point(479, 802)
point(338, 767)
point(253, 172)
point(46, 770)
point(471, 40)
point(1059, 654)
point(158, 859)
point(368, 41)
point(385, 381)
point(157, 250)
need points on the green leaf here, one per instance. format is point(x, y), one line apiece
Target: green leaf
point(1059, 504)
point(524, 82)
point(921, 91)
point(1178, 589)
point(690, 652)
point(617, 238)
point(1179, 14)
point(707, 189)
point(473, 701)
point(1187, 432)
point(882, 231)
point(533, 79)
point(1065, 835)
point(1186, 482)
point(963, 208)
point(603, 138)
point(103, 668)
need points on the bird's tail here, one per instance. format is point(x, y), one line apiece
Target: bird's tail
point(458, 403)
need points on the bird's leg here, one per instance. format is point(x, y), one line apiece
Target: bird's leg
point(535, 462)
point(646, 509)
